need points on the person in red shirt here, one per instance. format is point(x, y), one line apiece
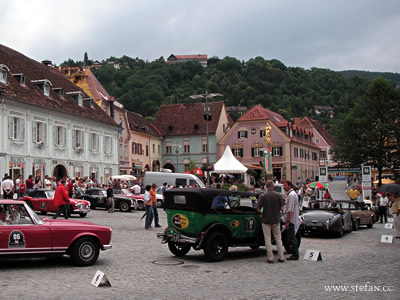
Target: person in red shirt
point(154, 201)
point(61, 200)
point(22, 190)
point(71, 188)
point(327, 195)
point(29, 184)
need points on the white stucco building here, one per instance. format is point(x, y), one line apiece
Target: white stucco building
point(49, 126)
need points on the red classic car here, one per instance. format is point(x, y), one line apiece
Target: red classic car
point(127, 193)
point(24, 233)
point(42, 200)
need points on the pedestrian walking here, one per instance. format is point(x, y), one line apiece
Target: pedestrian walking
point(154, 204)
point(29, 184)
point(110, 199)
point(272, 204)
point(149, 207)
point(383, 204)
point(353, 193)
point(7, 186)
point(396, 213)
point(61, 200)
point(291, 218)
point(18, 183)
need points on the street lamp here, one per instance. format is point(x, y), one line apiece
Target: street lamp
point(178, 146)
point(207, 117)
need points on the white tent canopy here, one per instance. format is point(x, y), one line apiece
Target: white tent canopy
point(229, 164)
point(124, 177)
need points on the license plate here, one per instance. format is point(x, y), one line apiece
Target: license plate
point(314, 224)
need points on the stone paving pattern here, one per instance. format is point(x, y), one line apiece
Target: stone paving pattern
point(357, 258)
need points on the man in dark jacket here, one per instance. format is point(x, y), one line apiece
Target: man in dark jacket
point(272, 204)
point(110, 199)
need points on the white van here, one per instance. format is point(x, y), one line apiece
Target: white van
point(173, 179)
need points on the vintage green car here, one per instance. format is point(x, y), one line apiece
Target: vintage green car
point(192, 222)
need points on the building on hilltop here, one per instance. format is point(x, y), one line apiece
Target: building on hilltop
point(50, 125)
point(294, 152)
point(320, 110)
point(184, 133)
point(201, 58)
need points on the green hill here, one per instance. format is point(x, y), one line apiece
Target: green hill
point(394, 77)
point(292, 91)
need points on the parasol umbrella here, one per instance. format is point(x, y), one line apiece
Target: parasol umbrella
point(317, 184)
point(384, 181)
point(389, 188)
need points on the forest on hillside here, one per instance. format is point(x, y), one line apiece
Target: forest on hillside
point(291, 91)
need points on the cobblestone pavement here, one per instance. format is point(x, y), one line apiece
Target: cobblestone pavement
point(139, 267)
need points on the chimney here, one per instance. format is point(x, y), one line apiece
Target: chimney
point(112, 109)
point(296, 120)
point(47, 62)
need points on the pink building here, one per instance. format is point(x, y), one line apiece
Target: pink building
point(322, 138)
point(295, 156)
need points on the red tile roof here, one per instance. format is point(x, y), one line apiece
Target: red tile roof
point(96, 88)
point(30, 94)
point(187, 119)
point(139, 124)
point(198, 56)
point(309, 123)
point(258, 112)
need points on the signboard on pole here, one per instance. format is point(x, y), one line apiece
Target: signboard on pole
point(366, 182)
point(366, 173)
point(323, 174)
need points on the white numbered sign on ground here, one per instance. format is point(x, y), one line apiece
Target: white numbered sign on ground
point(100, 279)
point(389, 226)
point(387, 239)
point(313, 255)
point(390, 220)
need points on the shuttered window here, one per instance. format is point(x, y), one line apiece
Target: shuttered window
point(39, 132)
point(16, 128)
point(60, 136)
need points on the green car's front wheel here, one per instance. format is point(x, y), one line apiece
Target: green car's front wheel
point(178, 249)
point(216, 246)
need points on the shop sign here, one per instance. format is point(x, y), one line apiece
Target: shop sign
point(39, 161)
point(17, 159)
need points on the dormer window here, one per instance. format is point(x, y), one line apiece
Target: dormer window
point(90, 101)
point(43, 85)
point(59, 92)
point(20, 78)
point(77, 96)
point(3, 73)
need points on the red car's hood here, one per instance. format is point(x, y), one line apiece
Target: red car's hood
point(67, 223)
point(79, 201)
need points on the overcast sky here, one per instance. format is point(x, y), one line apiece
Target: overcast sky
point(334, 34)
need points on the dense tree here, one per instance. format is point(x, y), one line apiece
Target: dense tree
point(293, 90)
point(370, 132)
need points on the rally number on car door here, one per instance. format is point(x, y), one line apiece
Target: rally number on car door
point(16, 239)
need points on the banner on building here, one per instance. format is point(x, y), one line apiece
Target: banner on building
point(267, 161)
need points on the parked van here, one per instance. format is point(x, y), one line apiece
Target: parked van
point(173, 179)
